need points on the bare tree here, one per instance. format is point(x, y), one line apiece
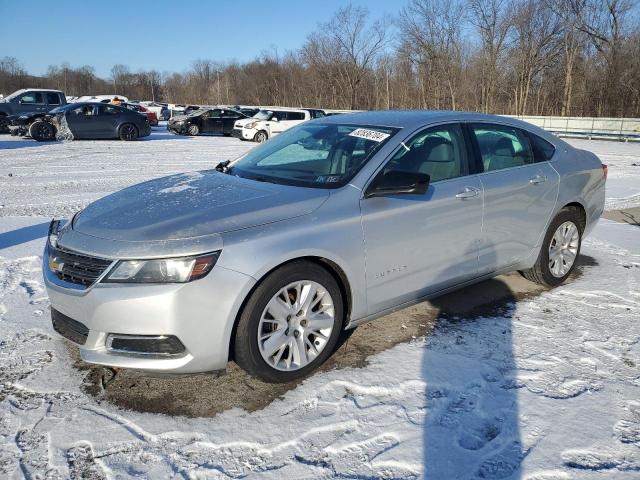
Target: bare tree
point(346, 48)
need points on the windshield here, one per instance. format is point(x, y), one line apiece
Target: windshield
point(200, 111)
point(12, 96)
point(63, 108)
point(263, 115)
point(313, 155)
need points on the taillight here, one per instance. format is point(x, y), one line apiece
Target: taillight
point(605, 170)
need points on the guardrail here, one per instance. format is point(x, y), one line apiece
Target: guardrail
point(625, 129)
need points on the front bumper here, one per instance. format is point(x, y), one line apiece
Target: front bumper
point(174, 128)
point(200, 314)
point(243, 133)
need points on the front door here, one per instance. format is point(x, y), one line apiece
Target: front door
point(82, 121)
point(519, 195)
point(418, 244)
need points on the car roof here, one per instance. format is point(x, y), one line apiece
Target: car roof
point(22, 90)
point(417, 118)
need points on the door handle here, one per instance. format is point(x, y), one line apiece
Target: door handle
point(537, 179)
point(468, 192)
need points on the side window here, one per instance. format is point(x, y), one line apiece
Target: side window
point(439, 152)
point(110, 110)
point(502, 146)
point(229, 114)
point(542, 150)
point(215, 113)
point(293, 116)
point(84, 110)
point(53, 98)
point(31, 98)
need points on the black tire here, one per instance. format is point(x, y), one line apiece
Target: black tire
point(226, 134)
point(42, 131)
point(128, 132)
point(541, 271)
point(261, 137)
point(193, 130)
point(4, 124)
point(246, 349)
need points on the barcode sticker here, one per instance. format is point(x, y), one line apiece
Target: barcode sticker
point(367, 134)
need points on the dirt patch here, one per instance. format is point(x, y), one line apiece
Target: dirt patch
point(206, 395)
point(626, 215)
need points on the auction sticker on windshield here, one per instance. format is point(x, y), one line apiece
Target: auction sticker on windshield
point(373, 135)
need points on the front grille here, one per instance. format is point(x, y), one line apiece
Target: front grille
point(76, 268)
point(69, 328)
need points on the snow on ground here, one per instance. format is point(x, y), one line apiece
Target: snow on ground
point(548, 389)
point(623, 183)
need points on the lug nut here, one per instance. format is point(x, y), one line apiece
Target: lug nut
point(303, 323)
point(296, 333)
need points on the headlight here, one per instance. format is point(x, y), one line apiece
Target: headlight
point(54, 228)
point(251, 125)
point(163, 270)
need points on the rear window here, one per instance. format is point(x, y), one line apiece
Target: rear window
point(53, 98)
point(293, 116)
point(542, 150)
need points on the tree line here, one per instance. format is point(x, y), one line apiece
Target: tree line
point(523, 57)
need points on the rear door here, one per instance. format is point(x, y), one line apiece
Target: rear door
point(109, 118)
point(229, 118)
point(519, 194)
point(53, 100)
point(418, 244)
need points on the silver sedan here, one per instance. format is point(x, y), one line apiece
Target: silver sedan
point(269, 259)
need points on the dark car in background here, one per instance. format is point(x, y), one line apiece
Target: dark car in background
point(34, 101)
point(205, 120)
point(136, 107)
point(91, 121)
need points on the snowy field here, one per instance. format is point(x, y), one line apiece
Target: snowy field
point(547, 389)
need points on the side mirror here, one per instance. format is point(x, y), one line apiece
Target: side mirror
point(397, 182)
point(274, 119)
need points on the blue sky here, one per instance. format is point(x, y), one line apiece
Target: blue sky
point(162, 35)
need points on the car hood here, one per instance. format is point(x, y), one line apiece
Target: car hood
point(193, 205)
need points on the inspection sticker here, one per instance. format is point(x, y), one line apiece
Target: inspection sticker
point(367, 134)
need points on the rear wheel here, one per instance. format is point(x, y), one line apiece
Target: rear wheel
point(128, 132)
point(42, 131)
point(559, 251)
point(261, 136)
point(193, 130)
point(290, 324)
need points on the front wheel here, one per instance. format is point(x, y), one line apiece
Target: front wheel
point(261, 137)
point(128, 132)
point(42, 131)
point(290, 324)
point(193, 130)
point(4, 124)
point(560, 249)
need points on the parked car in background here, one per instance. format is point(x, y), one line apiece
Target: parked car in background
point(268, 123)
point(161, 111)
point(30, 100)
point(100, 98)
point(151, 116)
point(268, 259)
point(315, 112)
point(205, 120)
point(91, 121)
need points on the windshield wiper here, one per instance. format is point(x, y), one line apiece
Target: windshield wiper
point(223, 166)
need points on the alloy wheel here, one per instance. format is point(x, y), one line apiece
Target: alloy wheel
point(296, 325)
point(563, 249)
